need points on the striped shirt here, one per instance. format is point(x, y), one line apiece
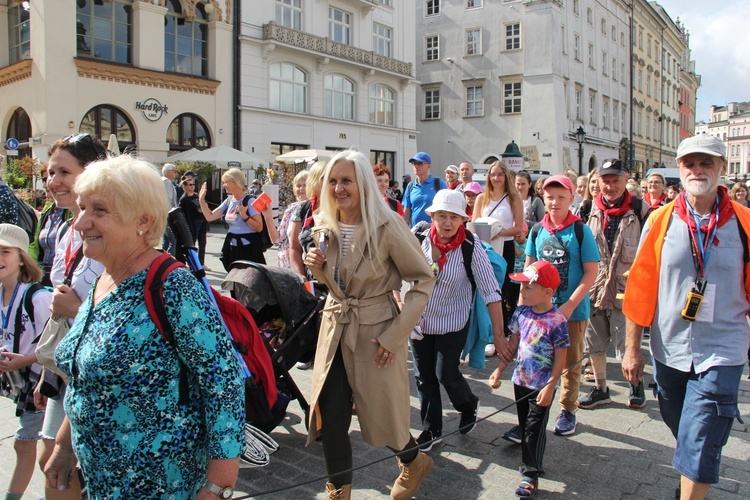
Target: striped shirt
point(347, 233)
point(450, 303)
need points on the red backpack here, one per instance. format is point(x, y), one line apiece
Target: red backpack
point(245, 337)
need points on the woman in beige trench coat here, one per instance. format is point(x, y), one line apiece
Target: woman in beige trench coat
point(362, 347)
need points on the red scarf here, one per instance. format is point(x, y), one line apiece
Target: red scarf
point(444, 248)
point(313, 208)
point(614, 211)
point(569, 221)
point(725, 212)
point(655, 203)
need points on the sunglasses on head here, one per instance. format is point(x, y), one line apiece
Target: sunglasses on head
point(86, 147)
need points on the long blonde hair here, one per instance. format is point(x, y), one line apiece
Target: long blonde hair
point(374, 211)
point(489, 191)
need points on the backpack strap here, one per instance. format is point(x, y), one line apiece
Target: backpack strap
point(27, 305)
point(534, 233)
point(154, 297)
point(577, 227)
point(467, 249)
point(436, 181)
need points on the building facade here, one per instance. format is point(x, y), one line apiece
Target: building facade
point(328, 75)
point(532, 72)
point(154, 73)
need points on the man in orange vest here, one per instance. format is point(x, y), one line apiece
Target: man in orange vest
point(690, 284)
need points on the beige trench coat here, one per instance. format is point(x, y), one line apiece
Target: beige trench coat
point(366, 311)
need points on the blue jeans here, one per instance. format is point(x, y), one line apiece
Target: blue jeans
point(699, 409)
point(436, 361)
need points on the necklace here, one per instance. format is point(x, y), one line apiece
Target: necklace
point(99, 296)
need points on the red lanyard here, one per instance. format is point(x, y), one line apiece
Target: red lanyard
point(71, 256)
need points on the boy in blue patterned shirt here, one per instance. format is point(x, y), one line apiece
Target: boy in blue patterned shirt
point(540, 332)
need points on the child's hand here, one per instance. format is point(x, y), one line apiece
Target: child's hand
point(11, 361)
point(545, 395)
point(494, 380)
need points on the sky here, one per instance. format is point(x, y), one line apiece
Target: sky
point(720, 45)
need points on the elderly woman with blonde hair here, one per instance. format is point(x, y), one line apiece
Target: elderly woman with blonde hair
point(125, 421)
point(363, 252)
point(243, 241)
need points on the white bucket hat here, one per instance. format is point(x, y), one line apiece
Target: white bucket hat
point(448, 201)
point(13, 236)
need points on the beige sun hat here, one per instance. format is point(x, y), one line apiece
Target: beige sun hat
point(13, 236)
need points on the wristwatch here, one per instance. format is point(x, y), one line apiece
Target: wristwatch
point(246, 218)
point(224, 493)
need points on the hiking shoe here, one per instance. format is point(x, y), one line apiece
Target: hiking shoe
point(428, 439)
point(489, 350)
point(412, 474)
point(637, 398)
point(565, 424)
point(594, 398)
point(527, 488)
point(513, 435)
point(468, 419)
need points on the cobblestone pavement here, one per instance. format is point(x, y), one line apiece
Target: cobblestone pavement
point(615, 452)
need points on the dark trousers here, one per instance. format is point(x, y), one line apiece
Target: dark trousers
point(335, 404)
point(437, 361)
point(201, 229)
point(532, 419)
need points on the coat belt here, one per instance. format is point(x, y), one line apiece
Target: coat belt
point(347, 313)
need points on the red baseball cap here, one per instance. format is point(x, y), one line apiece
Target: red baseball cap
point(563, 180)
point(541, 272)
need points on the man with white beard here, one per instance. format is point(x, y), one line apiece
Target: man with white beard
point(689, 283)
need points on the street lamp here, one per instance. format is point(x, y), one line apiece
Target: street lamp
point(580, 137)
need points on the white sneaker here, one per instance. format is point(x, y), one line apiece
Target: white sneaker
point(489, 350)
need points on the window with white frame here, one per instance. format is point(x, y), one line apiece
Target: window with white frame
point(593, 111)
point(432, 7)
point(473, 4)
point(382, 39)
point(564, 40)
point(287, 88)
point(591, 56)
point(389, 3)
point(638, 120)
point(648, 85)
point(623, 114)
point(614, 33)
point(622, 72)
point(640, 38)
point(605, 63)
point(577, 47)
point(576, 7)
point(648, 127)
point(473, 41)
point(640, 80)
point(339, 26)
point(567, 99)
point(604, 26)
point(648, 46)
point(605, 112)
point(432, 104)
point(19, 33)
point(622, 38)
point(614, 69)
point(339, 97)
point(432, 47)
point(382, 104)
point(512, 36)
point(474, 99)
point(289, 13)
point(589, 16)
point(614, 115)
point(511, 97)
point(579, 104)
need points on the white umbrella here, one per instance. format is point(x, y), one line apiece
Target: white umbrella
point(181, 156)
point(305, 155)
point(224, 157)
point(113, 145)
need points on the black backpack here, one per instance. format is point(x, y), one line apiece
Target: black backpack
point(27, 218)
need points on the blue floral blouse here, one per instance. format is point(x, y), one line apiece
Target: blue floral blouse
point(131, 437)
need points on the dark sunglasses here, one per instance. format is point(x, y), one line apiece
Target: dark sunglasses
point(190, 184)
point(86, 147)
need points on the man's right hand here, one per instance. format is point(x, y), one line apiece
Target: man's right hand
point(632, 365)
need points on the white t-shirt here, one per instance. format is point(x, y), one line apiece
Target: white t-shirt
point(29, 331)
point(502, 214)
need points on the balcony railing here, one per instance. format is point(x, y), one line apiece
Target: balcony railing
point(288, 36)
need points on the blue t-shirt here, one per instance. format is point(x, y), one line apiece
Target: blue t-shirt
point(418, 197)
point(563, 251)
point(539, 334)
point(233, 217)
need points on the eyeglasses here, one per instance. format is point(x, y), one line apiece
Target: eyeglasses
point(86, 147)
point(190, 184)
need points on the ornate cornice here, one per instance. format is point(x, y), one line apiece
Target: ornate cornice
point(98, 70)
point(15, 72)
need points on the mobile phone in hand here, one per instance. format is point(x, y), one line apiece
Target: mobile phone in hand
point(322, 243)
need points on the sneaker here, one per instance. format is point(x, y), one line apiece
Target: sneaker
point(595, 398)
point(428, 439)
point(513, 435)
point(637, 398)
point(565, 424)
point(489, 350)
point(303, 366)
point(412, 474)
point(468, 419)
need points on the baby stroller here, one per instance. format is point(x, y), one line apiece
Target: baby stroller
point(288, 318)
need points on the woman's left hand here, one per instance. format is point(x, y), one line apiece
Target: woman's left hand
point(383, 357)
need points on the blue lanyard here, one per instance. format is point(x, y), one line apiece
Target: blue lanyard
point(704, 247)
point(6, 317)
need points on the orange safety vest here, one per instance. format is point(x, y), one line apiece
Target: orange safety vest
point(642, 288)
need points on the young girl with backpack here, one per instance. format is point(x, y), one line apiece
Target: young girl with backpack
point(25, 310)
